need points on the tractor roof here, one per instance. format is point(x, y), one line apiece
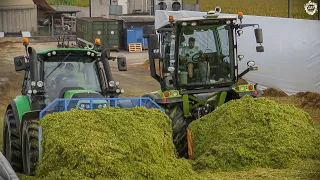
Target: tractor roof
point(66, 49)
point(203, 18)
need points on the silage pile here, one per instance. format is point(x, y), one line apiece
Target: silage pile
point(112, 143)
point(249, 133)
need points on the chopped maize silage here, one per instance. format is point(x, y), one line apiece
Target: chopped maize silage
point(110, 143)
point(253, 132)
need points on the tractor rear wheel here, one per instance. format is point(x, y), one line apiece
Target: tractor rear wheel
point(11, 141)
point(30, 151)
point(179, 128)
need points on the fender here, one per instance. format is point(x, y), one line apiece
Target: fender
point(30, 115)
point(19, 105)
point(14, 108)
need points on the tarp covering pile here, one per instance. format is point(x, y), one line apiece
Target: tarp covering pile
point(291, 61)
point(112, 143)
point(253, 133)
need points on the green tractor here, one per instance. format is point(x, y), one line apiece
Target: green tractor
point(71, 74)
point(195, 81)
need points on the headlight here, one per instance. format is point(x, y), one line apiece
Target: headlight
point(122, 90)
point(39, 83)
point(104, 105)
point(87, 106)
point(82, 105)
point(100, 106)
point(193, 23)
point(111, 83)
point(35, 91)
point(251, 63)
point(118, 91)
point(184, 23)
point(54, 53)
point(33, 83)
point(175, 93)
point(117, 83)
point(29, 91)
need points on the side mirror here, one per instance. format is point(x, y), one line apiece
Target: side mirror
point(108, 53)
point(148, 30)
point(122, 63)
point(154, 45)
point(259, 36)
point(19, 63)
point(260, 49)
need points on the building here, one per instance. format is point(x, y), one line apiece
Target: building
point(18, 15)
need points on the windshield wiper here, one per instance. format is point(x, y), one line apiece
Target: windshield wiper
point(58, 65)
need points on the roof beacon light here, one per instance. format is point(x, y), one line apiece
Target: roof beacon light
point(171, 18)
point(240, 15)
point(97, 41)
point(25, 41)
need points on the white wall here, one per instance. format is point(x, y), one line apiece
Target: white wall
point(18, 15)
point(124, 5)
point(15, 2)
point(137, 5)
point(100, 8)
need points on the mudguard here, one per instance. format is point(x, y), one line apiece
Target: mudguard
point(6, 170)
point(31, 115)
point(13, 106)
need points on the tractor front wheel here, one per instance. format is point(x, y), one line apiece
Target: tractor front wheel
point(11, 141)
point(179, 128)
point(30, 151)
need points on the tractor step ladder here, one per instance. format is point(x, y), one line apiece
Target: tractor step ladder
point(135, 47)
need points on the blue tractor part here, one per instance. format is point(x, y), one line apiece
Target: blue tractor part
point(59, 105)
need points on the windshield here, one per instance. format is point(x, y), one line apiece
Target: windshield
point(81, 74)
point(204, 55)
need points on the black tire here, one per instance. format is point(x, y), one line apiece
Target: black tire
point(11, 141)
point(179, 129)
point(231, 95)
point(30, 151)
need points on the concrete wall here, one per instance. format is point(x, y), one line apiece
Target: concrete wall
point(15, 18)
point(15, 2)
point(100, 8)
point(124, 4)
point(142, 5)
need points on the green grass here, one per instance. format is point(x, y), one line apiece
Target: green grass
point(275, 8)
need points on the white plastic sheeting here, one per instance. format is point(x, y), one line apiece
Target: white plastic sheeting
point(291, 61)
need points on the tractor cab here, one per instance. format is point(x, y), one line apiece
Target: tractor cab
point(67, 73)
point(198, 54)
